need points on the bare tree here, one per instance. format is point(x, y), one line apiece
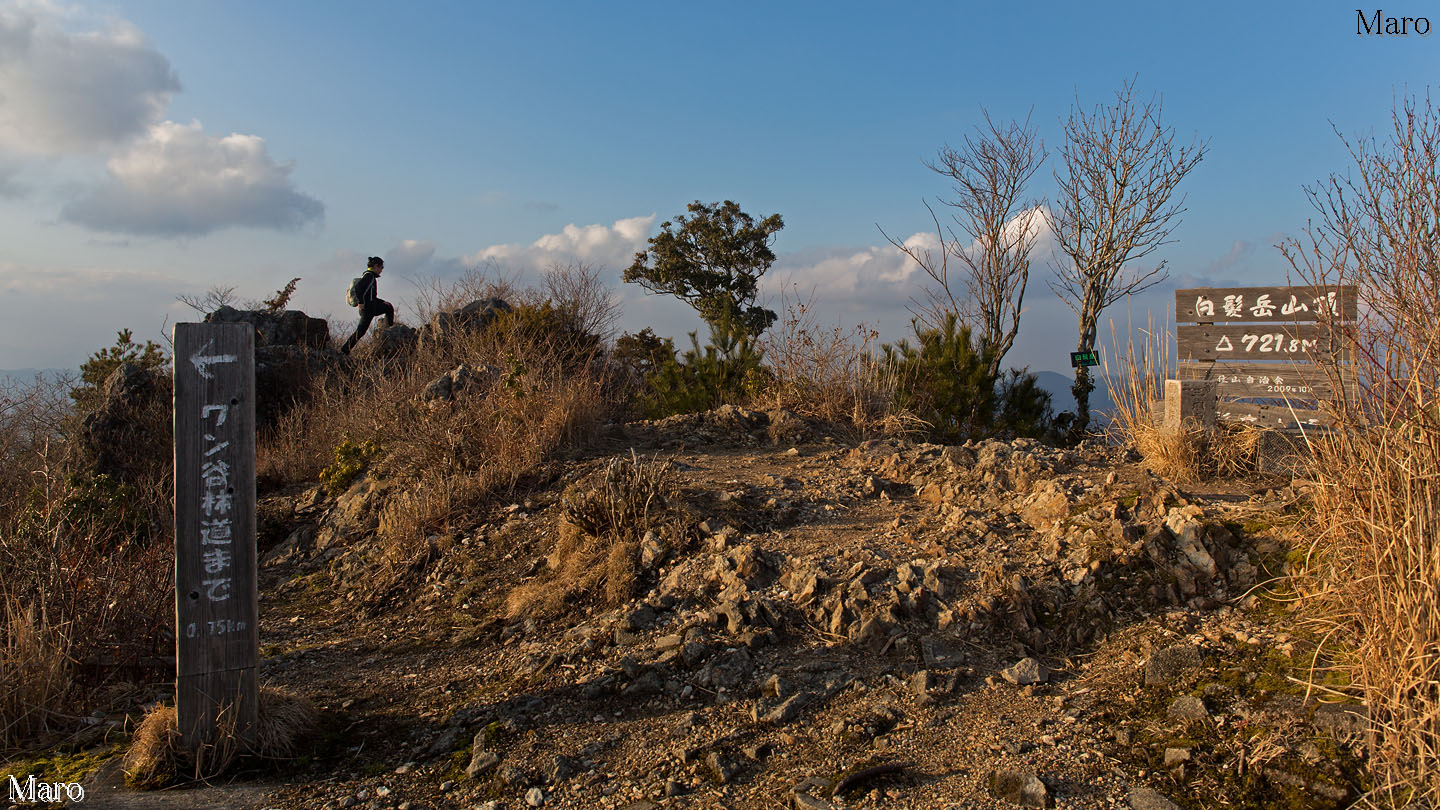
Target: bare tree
point(1117, 205)
point(214, 298)
point(577, 287)
point(997, 231)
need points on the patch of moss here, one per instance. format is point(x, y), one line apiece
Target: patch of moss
point(459, 761)
point(64, 764)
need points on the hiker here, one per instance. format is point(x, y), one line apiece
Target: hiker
point(363, 295)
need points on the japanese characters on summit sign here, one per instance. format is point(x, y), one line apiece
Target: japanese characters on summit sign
point(1266, 343)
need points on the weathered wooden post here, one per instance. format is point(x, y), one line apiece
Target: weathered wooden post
point(217, 641)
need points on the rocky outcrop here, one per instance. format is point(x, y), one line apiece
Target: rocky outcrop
point(128, 436)
point(459, 383)
point(292, 350)
point(288, 328)
point(472, 317)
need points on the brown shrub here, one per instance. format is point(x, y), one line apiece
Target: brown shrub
point(598, 536)
point(828, 373)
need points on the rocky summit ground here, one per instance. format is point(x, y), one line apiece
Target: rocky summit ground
point(823, 623)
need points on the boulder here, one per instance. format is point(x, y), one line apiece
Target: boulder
point(459, 381)
point(289, 328)
point(472, 317)
point(129, 432)
point(1024, 789)
point(1143, 798)
point(1025, 672)
point(396, 340)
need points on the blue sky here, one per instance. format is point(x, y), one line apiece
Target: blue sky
point(157, 147)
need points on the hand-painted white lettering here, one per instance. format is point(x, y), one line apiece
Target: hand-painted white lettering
point(217, 590)
point(215, 560)
point(206, 410)
point(215, 502)
point(215, 474)
point(203, 362)
point(215, 532)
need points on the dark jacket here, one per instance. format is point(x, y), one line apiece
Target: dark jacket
point(369, 285)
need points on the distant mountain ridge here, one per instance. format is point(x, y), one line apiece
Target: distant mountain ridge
point(1061, 399)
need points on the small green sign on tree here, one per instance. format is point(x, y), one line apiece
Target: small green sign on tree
point(712, 260)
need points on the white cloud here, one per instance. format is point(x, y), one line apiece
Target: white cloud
point(178, 181)
point(861, 278)
point(66, 90)
point(612, 246)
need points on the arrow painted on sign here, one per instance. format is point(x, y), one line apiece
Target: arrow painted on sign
point(202, 361)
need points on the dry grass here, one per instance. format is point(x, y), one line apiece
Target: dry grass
point(828, 373)
point(35, 672)
point(1136, 384)
point(155, 759)
point(151, 761)
point(598, 537)
point(76, 551)
point(1372, 571)
point(1136, 387)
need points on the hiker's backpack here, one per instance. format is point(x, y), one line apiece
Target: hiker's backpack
point(352, 296)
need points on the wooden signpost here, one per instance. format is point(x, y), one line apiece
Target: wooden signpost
point(1282, 344)
point(217, 642)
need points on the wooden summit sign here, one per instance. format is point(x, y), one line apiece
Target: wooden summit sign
point(1266, 343)
point(217, 642)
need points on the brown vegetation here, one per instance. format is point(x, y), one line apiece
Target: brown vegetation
point(154, 759)
point(600, 532)
point(1372, 569)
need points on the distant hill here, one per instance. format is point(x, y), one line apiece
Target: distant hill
point(1061, 399)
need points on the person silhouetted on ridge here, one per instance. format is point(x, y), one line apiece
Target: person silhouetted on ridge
point(363, 295)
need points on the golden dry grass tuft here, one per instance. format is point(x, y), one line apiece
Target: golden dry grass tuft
point(155, 760)
point(151, 761)
point(598, 537)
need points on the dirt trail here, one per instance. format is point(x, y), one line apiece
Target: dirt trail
point(995, 626)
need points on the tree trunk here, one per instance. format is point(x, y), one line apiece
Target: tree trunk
point(1081, 389)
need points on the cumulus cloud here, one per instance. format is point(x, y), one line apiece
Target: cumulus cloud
point(67, 90)
point(857, 278)
point(610, 245)
point(179, 181)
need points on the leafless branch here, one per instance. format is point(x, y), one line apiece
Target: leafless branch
point(1117, 204)
point(997, 230)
